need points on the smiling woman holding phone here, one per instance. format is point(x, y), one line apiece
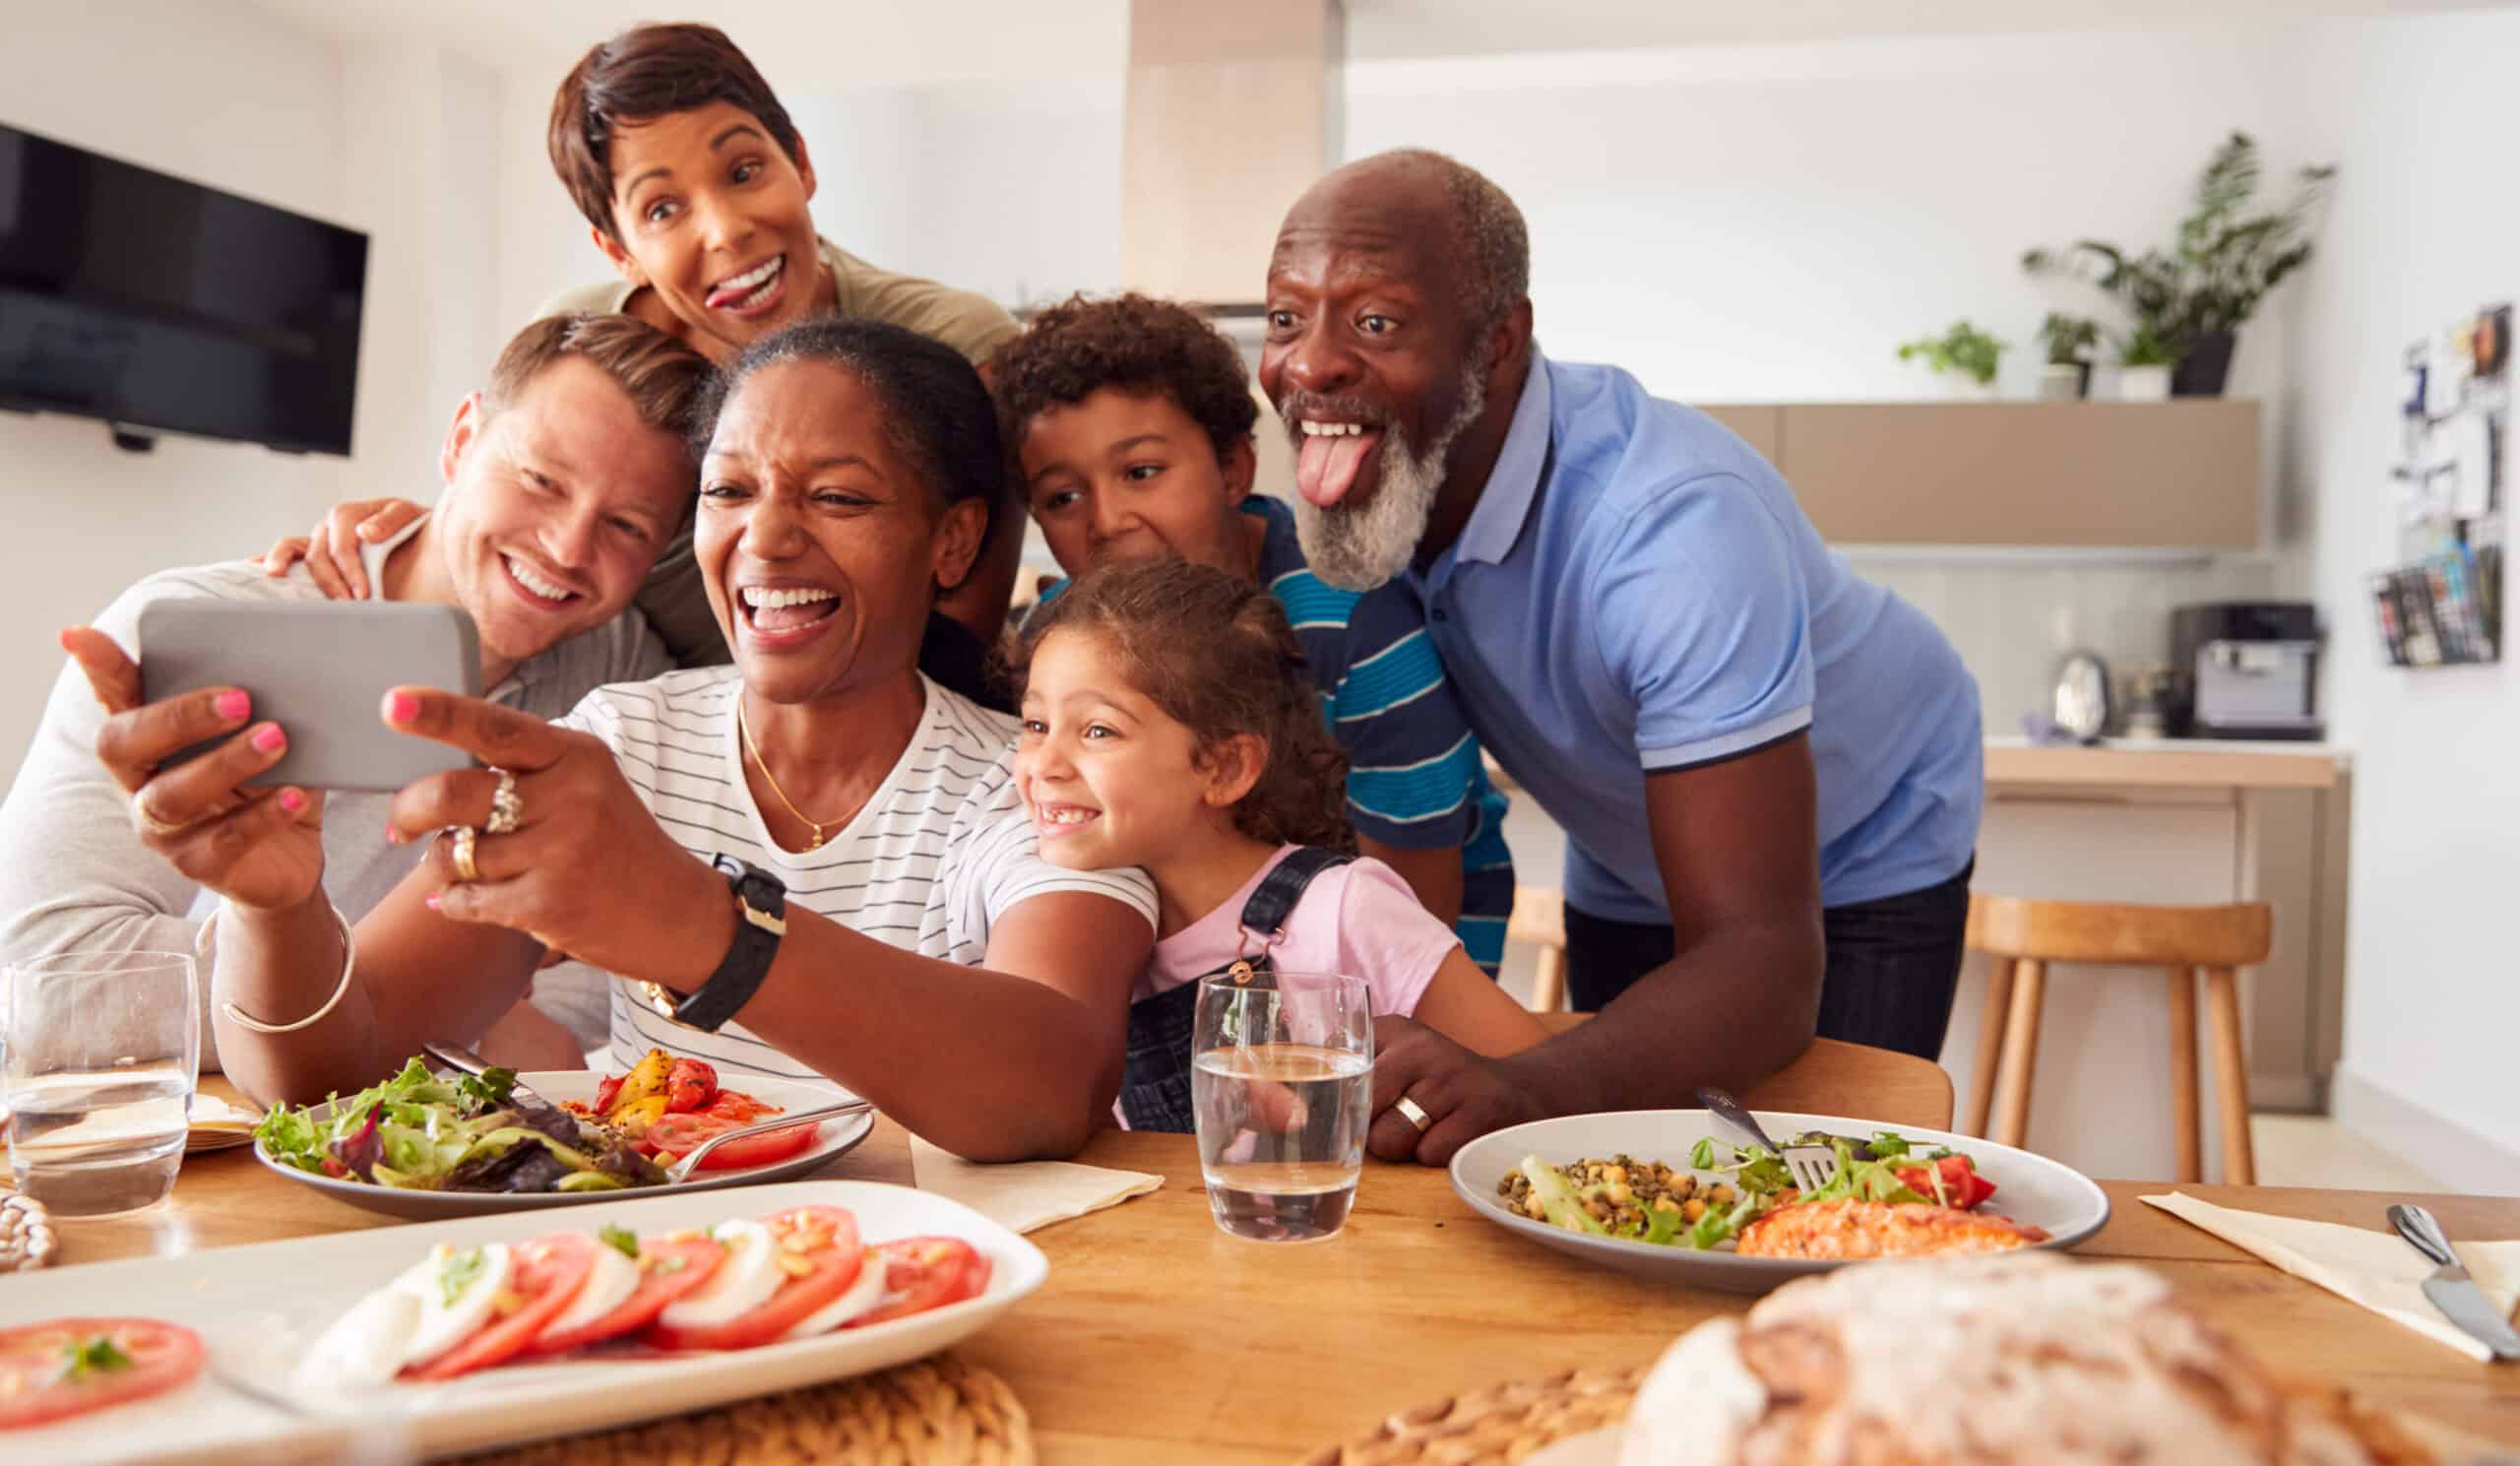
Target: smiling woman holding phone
point(818, 841)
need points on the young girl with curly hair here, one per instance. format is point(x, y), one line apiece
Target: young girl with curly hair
point(1168, 724)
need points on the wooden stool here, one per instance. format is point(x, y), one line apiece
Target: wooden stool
point(1540, 918)
point(2022, 937)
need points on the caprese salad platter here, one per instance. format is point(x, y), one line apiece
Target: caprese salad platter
point(469, 1334)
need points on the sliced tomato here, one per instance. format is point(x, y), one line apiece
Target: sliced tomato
point(923, 1273)
point(680, 1134)
point(831, 1256)
point(669, 1270)
point(689, 1086)
point(741, 1108)
point(550, 1271)
point(1960, 1181)
point(36, 1390)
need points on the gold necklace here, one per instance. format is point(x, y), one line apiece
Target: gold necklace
point(772, 779)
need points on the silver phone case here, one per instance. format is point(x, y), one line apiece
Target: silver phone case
point(321, 671)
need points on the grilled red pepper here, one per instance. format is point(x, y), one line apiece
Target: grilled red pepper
point(603, 1093)
point(689, 1086)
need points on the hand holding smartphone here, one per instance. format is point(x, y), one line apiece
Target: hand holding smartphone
point(321, 671)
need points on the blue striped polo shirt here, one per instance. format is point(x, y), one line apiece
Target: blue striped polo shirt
point(1415, 777)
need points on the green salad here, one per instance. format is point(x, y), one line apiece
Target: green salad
point(420, 1131)
point(1649, 1201)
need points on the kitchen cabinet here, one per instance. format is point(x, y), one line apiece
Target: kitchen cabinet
point(2181, 474)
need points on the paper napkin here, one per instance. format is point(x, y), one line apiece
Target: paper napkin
point(1027, 1194)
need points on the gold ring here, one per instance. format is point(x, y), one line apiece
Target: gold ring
point(150, 822)
point(464, 870)
point(507, 806)
point(1410, 1111)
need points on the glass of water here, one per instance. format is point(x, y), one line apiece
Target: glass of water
point(98, 1052)
point(1281, 1087)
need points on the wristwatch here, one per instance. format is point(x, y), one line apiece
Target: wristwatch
point(761, 901)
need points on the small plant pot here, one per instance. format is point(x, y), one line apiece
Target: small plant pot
point(2063, 381)
point(1961, 387)
point(2205, 367)
point(2143, 384)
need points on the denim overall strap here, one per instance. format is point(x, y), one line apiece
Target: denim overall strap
point(1155, 1083)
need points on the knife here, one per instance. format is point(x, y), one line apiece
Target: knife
point(2450, 1288)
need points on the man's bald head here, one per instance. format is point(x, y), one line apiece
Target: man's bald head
point(1443, 201)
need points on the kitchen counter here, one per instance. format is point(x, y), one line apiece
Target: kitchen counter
point(2175, 822)
point(2167, 763)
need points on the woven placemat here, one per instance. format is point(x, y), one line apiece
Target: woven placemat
point(937, 1412)
point(1494, 1427)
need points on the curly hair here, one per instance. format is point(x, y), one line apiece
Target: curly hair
point(1216, 654)
point(1134, 343)
point(937, 412)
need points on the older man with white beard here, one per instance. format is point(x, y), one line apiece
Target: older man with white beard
point(1768, 770)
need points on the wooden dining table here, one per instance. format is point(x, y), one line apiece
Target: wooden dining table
point(1159, 1339)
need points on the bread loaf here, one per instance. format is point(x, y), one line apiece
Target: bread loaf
point(2021, 1360)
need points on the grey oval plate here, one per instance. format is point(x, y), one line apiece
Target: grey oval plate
point(835, 1138)
point(2029, 1187)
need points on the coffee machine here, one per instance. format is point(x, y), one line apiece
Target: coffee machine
point(2245, 669)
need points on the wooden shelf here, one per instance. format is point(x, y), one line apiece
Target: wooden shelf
point(2180, 475)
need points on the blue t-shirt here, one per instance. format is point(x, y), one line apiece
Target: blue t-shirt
point(1415, 779)
point(1636, 592)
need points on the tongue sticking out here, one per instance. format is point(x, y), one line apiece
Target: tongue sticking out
point(788, 618)
point(1326, 468)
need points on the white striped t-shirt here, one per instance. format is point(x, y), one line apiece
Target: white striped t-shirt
point(941, 850)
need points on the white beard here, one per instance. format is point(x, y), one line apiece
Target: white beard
point(1361, 548)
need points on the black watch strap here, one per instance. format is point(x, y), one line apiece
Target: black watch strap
point(762, 911)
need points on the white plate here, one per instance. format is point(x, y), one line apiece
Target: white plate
point(2030, 1188)
point(248, 1302)
point(833, 1138)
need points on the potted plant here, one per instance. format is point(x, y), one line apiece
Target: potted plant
point(2144, 362)
point(1963, 355)
point(2194, 297)
point(2067, 376)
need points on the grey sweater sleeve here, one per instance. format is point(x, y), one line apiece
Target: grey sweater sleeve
point(74, 877)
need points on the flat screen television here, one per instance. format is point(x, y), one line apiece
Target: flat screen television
point(134, 297)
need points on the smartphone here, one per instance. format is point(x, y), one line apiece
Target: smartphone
point(321, 671)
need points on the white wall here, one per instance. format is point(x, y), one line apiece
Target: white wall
point(240, 101)
point(1769, 223)
point(2431, 1009)
point(1008, 188)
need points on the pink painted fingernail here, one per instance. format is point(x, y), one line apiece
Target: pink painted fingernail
point(270, 739)
point(429, 901)
point(401, 707)
point(394, 835)
point(292, 801)
point(234, 705)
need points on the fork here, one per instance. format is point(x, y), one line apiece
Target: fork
point(680, 1171)
point(1813, 1167)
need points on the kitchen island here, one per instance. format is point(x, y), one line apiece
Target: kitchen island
point(2173, 822)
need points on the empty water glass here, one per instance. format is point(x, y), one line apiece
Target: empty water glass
point(1281, 1088)
point(99, 1053)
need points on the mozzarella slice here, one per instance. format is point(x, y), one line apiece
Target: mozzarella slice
point(365, 1346)
point(862, 1295)
point(444, 1321)
point(609, 1284)
point(745, 1279)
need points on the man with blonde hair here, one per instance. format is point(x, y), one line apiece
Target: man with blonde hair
point(564, 478)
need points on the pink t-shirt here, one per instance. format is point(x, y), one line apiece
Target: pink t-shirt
point(1359, 919)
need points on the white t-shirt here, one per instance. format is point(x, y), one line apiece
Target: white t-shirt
point(941, 850)
point(74, 875)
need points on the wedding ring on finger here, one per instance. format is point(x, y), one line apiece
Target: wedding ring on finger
point(507, 806)
point(1410, 1111)
point(150, 822)
point(464, 838)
